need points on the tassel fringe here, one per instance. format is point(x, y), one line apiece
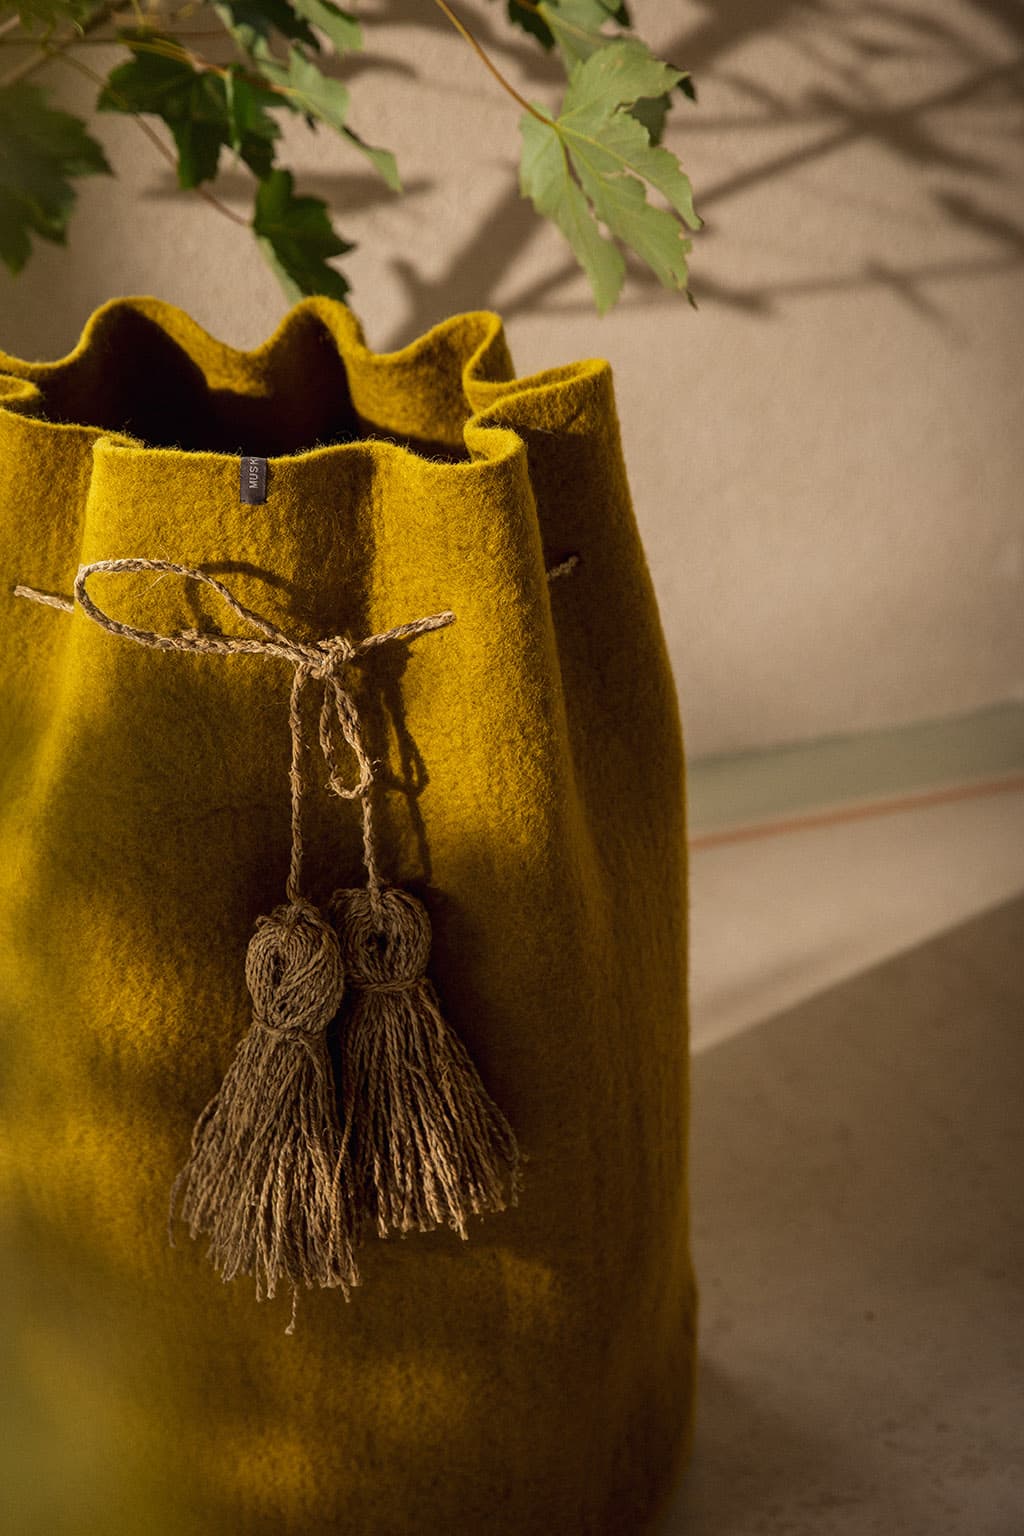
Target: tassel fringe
point(424, 1143)
point(260, 1179)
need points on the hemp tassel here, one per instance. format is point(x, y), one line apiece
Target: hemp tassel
point(275, 1180)
point(263, 1178)
point(424, 1144)
point(260, 1179)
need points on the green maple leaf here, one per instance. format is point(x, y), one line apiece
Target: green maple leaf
point(545, 176)
point(251, 21)
point(41, 151)
point(532, 22)
point(320, 98)
point(251, 133)
point(296, 237)
point(203, 109)
point(595, 162)
point(45, 15)
point(575, 26)
point(341, 27)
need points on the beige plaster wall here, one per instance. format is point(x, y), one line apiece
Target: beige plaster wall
point(827, 458)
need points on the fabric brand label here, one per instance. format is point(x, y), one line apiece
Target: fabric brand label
point(253, 480)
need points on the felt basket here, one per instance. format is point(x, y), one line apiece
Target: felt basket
point(455, 697)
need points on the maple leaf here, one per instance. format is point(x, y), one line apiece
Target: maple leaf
point(204, 110)
point(41, 151)
point(340, 27)
point(529, 18)
point(252, 21)
point(594, 162)
point(46, 15)
point(296, 238)
point(319, 97)
point(576, 27)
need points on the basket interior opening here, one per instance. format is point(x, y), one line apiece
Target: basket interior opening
point(137, 378)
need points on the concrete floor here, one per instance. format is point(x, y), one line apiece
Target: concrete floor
point(858, 1180)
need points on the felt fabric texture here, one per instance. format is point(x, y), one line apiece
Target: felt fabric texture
point(539, 1377)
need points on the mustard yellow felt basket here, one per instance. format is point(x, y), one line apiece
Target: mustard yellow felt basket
point(343, 943)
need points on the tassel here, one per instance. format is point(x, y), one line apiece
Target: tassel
point(281, 1188)
point(424, 1144)
point(260, 1179)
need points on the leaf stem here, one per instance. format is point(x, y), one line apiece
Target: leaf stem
point(489, 64)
